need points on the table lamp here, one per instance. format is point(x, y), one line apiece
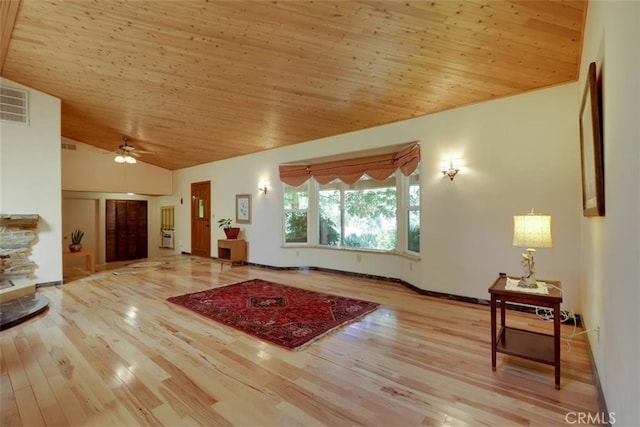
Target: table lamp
point(531, 231)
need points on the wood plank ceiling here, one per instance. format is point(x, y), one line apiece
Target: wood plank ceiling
point(202, 81)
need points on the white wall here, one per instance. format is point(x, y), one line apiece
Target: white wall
point(610, 260)
point(88, 168)
point(30, 178)
point(520, 152)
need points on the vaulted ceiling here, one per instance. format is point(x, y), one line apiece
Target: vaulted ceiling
point(199, 81)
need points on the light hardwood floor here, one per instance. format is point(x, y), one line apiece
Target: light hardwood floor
point(111, 351)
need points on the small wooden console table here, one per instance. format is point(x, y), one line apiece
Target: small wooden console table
point(232, 251)
point(530, 345)
point(90, 259)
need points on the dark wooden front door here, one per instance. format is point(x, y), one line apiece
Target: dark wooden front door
point(126, 230)
point(200, 218)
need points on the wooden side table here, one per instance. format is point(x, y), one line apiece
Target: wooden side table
point(90, 259)
point(232, 251)
point(530, 345)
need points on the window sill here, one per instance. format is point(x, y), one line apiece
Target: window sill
point(408, 255)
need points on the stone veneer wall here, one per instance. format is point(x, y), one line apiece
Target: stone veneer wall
point(17, 233)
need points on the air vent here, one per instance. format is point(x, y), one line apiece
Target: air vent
point(68, 146)
point(13, 105)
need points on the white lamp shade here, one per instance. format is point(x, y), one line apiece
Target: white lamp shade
point(532, 231)
point(124, 159)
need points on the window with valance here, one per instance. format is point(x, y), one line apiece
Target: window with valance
point(354, 203)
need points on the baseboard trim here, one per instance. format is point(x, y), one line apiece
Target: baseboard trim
point(442, 295)
point(596, 380)
point(46, 284)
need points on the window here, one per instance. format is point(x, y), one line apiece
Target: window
point(166, 218)
point(296, 207)
point(369, 203)
point(361, 215)
point(413, 213)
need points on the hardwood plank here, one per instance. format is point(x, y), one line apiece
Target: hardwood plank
point(13, 364)
point(9, 416)
point(28, 408)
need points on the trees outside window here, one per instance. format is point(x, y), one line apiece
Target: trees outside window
point(362, 215)
point(296, 210)
point(413, 213)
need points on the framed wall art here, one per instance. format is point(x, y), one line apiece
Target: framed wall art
point(591, 152)
point(243, 208)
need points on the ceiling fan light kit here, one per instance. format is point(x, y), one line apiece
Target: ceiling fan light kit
point(126, 152)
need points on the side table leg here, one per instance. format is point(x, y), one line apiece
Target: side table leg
point(90, 262)
point(556, 343)
point(493, 332)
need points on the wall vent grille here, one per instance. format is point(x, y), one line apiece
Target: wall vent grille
point(14, 106)
point(68, 146)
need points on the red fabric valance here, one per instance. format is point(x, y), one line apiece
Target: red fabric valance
point(349, 171)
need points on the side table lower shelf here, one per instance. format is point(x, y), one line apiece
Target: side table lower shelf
point(526, 344)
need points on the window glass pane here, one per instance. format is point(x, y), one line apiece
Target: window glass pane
point(362, 215)
point(414, 231)
point(295, 227)
point(370, 218)
point(414, 191)
point(296, 197)
point(200, 208)
point(329, 207)
point(296, 205)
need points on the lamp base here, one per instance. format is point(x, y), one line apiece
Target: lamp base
point(528, 282)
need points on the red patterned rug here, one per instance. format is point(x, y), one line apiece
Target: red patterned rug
point(287, 316)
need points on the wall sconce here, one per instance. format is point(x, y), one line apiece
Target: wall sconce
point(450, 168)
point(262, 186)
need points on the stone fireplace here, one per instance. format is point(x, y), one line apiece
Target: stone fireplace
point(17, 234)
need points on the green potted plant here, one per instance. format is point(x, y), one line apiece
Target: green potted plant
point(76, 240)
point(229, 231)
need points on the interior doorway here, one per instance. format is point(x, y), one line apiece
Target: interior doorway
point(200, 219)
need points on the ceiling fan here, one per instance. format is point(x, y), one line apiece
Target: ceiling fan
point(127, 153)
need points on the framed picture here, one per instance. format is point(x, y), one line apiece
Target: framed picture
point(243, 208)
point(591, 154)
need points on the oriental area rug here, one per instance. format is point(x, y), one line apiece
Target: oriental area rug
point(283, 315)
